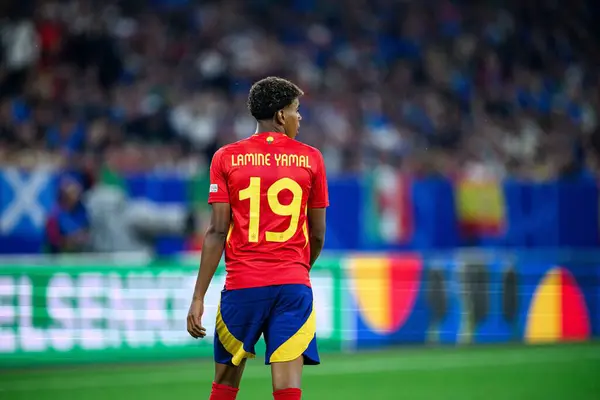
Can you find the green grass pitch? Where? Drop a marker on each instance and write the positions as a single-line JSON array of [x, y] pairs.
[[570, 372]]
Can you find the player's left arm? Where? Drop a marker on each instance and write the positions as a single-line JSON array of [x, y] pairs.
[[213, 245], [318, 201]]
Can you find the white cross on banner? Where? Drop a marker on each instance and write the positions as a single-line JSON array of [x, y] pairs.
[[25, 203]]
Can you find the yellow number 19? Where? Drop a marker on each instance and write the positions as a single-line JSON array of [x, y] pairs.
[[252, 193]]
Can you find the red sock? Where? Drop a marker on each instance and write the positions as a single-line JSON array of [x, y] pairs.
[[288, 394], [223, 392]]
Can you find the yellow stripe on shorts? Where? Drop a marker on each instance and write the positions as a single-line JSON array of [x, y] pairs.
[[229, 342], [295, 346]]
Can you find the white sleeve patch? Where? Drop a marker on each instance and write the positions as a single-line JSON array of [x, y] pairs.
[[214, 188]]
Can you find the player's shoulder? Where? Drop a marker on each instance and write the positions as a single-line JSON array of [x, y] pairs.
[[308, 149], [231, 148]]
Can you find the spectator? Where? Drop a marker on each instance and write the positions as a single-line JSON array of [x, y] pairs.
[[66, 136], [67, 228], [20, 49]]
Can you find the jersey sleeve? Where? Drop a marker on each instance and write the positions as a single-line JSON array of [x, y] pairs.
[[218, 191], [319, 195]]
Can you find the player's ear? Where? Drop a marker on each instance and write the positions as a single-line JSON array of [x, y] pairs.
[[280, 117]]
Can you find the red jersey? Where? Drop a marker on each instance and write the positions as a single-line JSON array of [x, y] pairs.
[[270, 181]]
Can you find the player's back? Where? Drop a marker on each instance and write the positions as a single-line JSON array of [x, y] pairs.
[[271, 181]]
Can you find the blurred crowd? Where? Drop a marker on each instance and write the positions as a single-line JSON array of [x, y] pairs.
[[483, 88]]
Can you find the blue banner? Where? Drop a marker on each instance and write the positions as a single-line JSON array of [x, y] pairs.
[[25, 201], [481, 297]]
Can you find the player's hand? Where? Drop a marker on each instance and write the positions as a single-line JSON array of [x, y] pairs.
[[194, 319]]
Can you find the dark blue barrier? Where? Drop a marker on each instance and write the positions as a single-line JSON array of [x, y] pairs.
[[557, 214], [578, 214], [560, 214], [435, 221], [344, 217]]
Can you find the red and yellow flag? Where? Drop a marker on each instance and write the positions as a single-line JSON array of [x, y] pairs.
[[480, 207]]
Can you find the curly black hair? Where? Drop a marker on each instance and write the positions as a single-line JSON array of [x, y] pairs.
[[270, 95]]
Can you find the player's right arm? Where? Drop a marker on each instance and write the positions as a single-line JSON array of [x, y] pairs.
[[213, 245], [318, 201]]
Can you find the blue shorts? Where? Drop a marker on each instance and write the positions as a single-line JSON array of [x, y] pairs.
[[283, 314]]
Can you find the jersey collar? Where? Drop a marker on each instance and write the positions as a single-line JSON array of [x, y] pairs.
[[269, 134]]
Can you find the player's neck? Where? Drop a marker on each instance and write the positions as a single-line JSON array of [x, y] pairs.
[[268, 127]]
